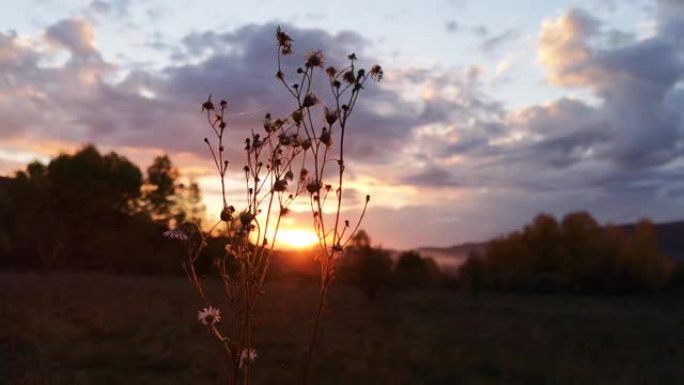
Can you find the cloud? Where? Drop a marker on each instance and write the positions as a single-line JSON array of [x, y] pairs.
[[636, 83], [436, 142], [628, 144], [454, 26], [495, 42], [76, 35], [120, 8]]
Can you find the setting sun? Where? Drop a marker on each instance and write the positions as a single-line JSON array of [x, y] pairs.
[[296, 239]]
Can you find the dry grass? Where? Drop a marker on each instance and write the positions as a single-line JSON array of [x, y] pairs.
[[103, 329]]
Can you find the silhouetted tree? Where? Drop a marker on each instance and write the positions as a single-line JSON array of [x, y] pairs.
[[367, 267], [414, 271], [577, 256], [646, 268], [472, 275], [160, 190]]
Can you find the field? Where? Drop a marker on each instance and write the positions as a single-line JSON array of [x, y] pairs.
[[105, 329]]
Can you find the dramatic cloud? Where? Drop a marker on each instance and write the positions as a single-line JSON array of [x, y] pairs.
[[159, 109], [637, 83], [610, 155], [436, 149]]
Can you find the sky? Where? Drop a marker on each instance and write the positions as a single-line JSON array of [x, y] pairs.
[[489, 112]]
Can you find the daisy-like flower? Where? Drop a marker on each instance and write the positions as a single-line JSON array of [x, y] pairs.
[[176, 234], [247, 356], [209, 315]]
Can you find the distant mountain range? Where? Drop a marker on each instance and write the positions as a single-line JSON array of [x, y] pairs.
[[670, 239]]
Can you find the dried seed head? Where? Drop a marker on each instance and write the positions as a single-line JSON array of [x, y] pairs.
[[310, 100], [313, 187], [246, 218], [280, 185], [314, 59], [256, 141], [284, 41], [305, 143], [208, 105], [268, 124], [325, 137], [330, 116], [349, 77], [227, 213], [297, 117], [331, 71], [284, 140], [376, 72]]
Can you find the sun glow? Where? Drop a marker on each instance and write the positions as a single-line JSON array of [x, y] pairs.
[[296, 239]]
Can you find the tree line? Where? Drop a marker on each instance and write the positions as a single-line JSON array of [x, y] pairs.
[[372, 269], [97, 211], [574, 255]]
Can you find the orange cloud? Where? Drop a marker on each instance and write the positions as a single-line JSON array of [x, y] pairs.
[[563, 48]]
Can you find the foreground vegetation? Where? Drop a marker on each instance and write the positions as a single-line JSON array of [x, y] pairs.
[[106, 329]]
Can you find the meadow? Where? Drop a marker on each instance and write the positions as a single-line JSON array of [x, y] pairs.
[[92, 328]]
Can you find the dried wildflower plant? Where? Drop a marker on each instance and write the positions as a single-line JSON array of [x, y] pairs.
[[299, 155]]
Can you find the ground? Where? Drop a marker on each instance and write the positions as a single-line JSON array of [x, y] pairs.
[[105, 329]]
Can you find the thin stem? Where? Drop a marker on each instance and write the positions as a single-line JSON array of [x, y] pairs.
[[314, 334]]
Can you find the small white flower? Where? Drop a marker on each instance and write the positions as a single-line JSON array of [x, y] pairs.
[[244, 356], [176, 234], [209, 315]]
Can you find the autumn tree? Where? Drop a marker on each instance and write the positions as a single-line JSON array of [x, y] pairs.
[[578, 255]]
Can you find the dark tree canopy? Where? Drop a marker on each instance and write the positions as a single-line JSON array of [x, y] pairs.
[[81, 210], [576, 255], [367, 267]]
